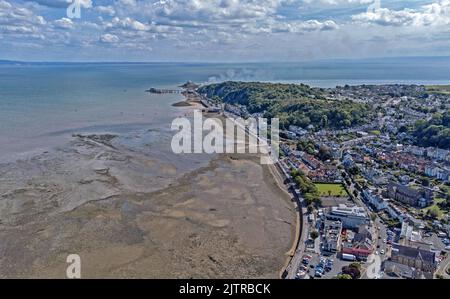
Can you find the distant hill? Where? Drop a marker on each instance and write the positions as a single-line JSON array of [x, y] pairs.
[[11, 62]]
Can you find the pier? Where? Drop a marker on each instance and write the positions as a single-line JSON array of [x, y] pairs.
[[163, 91]]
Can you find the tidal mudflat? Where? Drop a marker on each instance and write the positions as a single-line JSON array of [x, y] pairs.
[[140, 212]]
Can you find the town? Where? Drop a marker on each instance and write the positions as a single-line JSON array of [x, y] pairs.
[[373, 195]]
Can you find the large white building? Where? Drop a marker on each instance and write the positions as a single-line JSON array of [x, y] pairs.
[[351, 216]]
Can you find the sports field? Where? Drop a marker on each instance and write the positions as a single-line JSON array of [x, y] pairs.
[[336, 190]]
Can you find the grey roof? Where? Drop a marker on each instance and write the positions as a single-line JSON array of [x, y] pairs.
[[413, 252], [399, 270]]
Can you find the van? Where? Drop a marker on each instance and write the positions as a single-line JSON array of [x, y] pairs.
[[348, 257]]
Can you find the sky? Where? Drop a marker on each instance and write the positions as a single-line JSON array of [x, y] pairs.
[[222, 30]]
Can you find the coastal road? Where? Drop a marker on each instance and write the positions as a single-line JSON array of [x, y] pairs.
[[297, 258]]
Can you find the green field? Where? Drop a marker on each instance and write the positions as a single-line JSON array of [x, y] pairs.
[[336, 190], [440, 213], [442, 89]]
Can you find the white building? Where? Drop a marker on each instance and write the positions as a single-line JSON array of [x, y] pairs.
[[380, 203], [350, 216]]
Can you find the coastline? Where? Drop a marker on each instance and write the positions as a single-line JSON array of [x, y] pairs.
[[93, 197], [275, 178]]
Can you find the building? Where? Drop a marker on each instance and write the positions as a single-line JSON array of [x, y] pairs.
[[416, 257], [437, 172], [360, 245], [437, 153], [394, 269], [407, 195], [350, 216], [297, 130], [332, 235], [395, 213], [377, 201]]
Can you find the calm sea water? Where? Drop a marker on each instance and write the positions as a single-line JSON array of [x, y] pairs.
[[41, 105]]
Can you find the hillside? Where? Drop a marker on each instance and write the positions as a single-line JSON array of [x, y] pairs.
[[293, 104]]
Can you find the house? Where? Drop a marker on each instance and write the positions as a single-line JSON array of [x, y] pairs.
[[395, 269], [437, 153], [297, 130], [416, 257], [416, 150], [394, 213], [361, 245], [332, 235], [376, 200]]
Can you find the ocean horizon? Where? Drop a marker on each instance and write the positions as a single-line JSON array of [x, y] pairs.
[[42, 104]]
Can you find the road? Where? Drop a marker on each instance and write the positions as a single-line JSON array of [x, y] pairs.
[[297, 258]]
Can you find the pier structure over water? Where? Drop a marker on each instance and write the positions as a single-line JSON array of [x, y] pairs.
[[162, 91]]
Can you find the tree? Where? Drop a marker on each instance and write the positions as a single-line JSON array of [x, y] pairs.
[[325, 153], [433, 212], [343, 276], [352, 270], [373, 216], [425, 182], [314, 234], [355, 265], [310, 208]]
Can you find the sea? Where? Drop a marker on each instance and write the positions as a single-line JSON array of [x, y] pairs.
[[43, 104]]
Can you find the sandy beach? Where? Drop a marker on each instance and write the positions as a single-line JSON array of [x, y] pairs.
[[129, 214]]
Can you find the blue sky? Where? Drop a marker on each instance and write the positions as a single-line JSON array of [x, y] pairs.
[[222, 30]]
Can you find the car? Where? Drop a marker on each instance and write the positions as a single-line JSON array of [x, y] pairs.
[[319, 272], [302, 268], [306, 259], [382, 251], [300, 274], [384, 240], [376, 252]]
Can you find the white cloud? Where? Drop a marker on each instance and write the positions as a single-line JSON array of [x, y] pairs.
[[107, 10], [19, 20], [61, 3], [64, 23], [434, 14], [109, 38]]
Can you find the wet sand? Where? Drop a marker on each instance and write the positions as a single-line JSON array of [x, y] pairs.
[[133, 215]]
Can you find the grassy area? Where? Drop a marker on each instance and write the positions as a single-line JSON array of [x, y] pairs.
[[442, 89], [331, 190], [435, 207]]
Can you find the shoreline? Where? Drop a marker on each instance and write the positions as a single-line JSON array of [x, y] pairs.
[[274, 173], [93, 198]]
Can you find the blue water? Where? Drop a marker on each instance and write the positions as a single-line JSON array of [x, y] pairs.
[[42, 104]]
